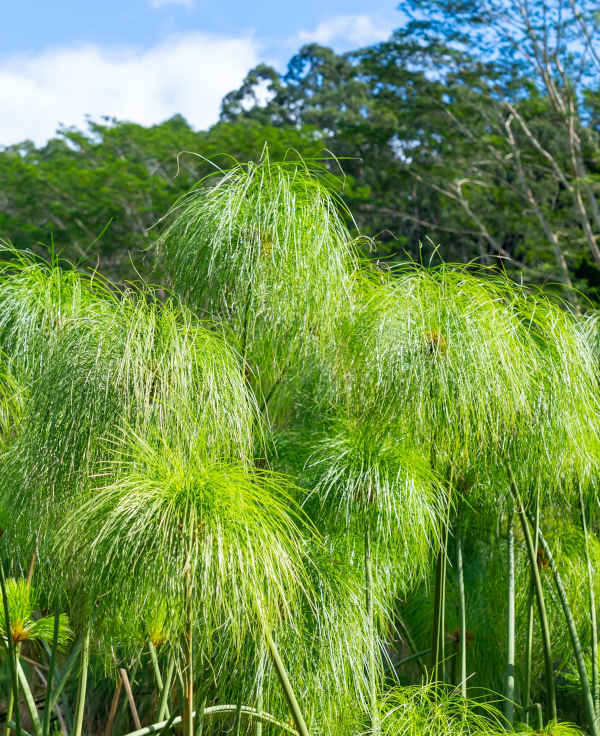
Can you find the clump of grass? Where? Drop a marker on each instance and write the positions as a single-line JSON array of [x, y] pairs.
[[37, 298], [436, 709], [138, 364]]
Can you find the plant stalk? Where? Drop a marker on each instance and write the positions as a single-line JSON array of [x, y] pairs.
[[83, 675], [462, 612], [438, 647], [12, 660], [260, 689], [11, 694], [66, 672], [200, 717], [371, 643], [29, 701], [530, 621], [593, 618], [286, 686], [528, 657], [157, 674], [577, 650], [188, 712], [509, 677], [163, 708], [47, 706], [539, 593]]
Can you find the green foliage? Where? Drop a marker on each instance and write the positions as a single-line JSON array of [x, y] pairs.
[[97, 194], [184, 518], [359, 473], [434, 709], [23, 625], [266, 251], [276, 454]]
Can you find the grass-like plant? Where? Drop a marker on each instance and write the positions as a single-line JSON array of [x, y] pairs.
[[390, 507], [23, 625], [266, 251], [141, 391], [37, 298], [214, 541], [406, 405], [437, 709]]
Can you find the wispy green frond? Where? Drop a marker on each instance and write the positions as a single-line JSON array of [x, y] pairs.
[[168, 520], [436, 709], [141, 364], [359, 471], [266, 250], [37, 298]]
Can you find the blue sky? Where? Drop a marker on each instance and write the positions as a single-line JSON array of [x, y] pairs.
[[145, 60]]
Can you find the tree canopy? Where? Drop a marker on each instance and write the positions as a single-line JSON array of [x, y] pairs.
[[471, 134]]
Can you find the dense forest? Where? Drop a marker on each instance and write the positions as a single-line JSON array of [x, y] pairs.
[[472, 134]]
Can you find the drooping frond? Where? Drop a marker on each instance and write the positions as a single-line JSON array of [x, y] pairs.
[[435, 709], [138, 364], [360, 472], [172, 522], [37, 298], [266, 250]]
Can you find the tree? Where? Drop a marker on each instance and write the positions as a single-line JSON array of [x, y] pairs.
[[455, 129]]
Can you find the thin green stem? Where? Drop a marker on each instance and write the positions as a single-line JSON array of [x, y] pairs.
[[462, 612], [286, 685], [167, 725], [371, 643], [11, 695], [200, 718], [62, 681], [509, 677], [155, 666], [51, 668], [260, 684], [163, 707], [29, 701], [237, 728], [157, 674], [577, 650], [593, 617], [530, 622], [83, 675], [539, 593], [537, 707], [188, 713], [439, 614]]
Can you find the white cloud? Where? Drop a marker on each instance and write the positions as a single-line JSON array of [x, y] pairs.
[[187, 74], [351, 30], [161, 3]]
